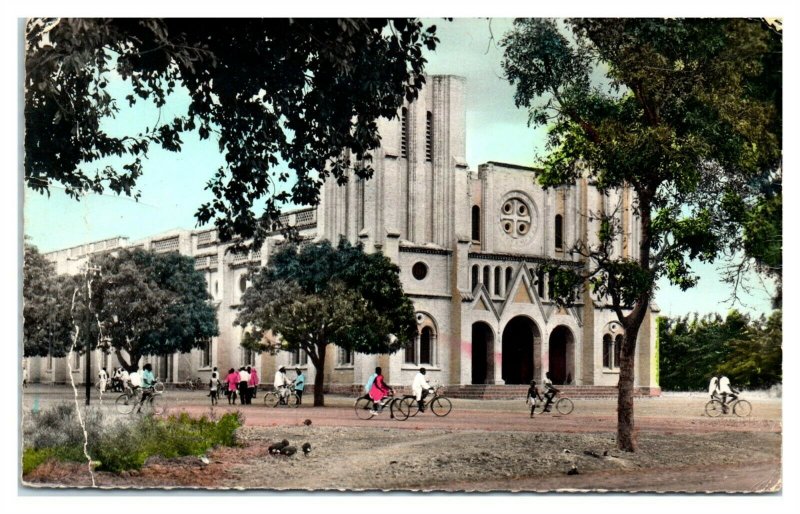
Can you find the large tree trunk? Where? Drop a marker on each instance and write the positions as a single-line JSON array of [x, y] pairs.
[[625, 426], [319, 376], [130, 366]]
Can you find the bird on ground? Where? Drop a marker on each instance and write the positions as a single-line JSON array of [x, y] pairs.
[[573, 470], [306, 449], [288, 451], [276, 448], [307, 422]]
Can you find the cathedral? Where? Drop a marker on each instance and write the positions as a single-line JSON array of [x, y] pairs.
[[469, 244]]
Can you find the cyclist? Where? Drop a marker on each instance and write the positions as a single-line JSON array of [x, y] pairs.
[[729, 393], [550, 392], [713, 388], [378, 392], [420, 387], [148, 381], [282, 384]]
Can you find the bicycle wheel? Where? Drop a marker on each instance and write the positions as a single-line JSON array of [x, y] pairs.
[[158, 387], [564, 406], [410, 404], [536, 408], [399, 409], [293, 401], [271, 399], [157, 405], [124, 403], [441, 406], [714, 408], [363, 407], [742, 408]]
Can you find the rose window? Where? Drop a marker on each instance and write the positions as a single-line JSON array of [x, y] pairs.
[[515, 217]]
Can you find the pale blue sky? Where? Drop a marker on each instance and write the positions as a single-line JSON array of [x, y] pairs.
[[172, 184]]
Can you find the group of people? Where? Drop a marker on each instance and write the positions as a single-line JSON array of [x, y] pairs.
[[550, 392], [720, 388], [378, 391], [244, 382]]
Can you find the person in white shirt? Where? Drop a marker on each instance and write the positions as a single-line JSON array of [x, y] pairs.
[[729, 394], [420, 387], [244, 387], [549, 391], [713, 388], [282, 383], [103, 378]]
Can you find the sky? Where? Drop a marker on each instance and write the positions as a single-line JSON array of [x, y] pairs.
[[172, 185]]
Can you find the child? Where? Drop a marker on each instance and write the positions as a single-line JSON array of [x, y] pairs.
[[533, 395], [213, 386]]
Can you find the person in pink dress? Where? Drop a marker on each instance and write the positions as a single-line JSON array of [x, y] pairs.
[[254, 381], [233, 382], [378, 392]]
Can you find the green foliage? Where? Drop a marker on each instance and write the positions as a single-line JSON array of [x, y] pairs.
[[151, 304], [307, 92], [46, 301], [122, 445], [694, 349]]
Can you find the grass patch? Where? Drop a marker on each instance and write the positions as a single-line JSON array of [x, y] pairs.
[[126, 444]]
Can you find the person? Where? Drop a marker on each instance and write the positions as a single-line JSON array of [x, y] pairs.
[[368, 384], [299, 385], [713, 388], [103, 378], [281, 384], [213, 386], [148, 381], [253, 383], [533, 395], [116, 380], [24, 377], [727, 391], [244, 386], [420, 388], [378, 392], [231, 381], [550, 392], [125, 379]]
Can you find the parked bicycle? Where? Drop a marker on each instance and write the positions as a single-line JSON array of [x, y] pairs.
[[741, 408], [137, 400], [192, 383], [563, 405], [273, 399], [365, 408], [439, 404]]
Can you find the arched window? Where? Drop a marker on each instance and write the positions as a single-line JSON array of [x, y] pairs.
[[559, 235], [476, 223], [404, 132], [411, 353], [551, 279], [475, 273], [486, 276], [428, 136], [497, 280], [509, 274], [617, 348], [540, 283], [425, 346], [608, 351]]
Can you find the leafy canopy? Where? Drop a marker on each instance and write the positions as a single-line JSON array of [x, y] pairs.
[[307, 92]]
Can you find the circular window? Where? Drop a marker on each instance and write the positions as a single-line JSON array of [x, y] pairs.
[[419, 270], [420, 318], [515, 217]]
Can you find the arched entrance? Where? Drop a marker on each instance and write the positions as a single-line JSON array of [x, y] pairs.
[[482, 353], [562, 356], [519, 337]]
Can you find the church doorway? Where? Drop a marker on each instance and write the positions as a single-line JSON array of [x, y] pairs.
[[519, 337], [482, 353], [562, 355]]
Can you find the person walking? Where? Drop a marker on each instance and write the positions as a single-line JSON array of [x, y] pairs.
[[244, 387], [533, 395], [232, 381], [299, 385], [103, 379], [420, 388], [213, 386], [253, 383]]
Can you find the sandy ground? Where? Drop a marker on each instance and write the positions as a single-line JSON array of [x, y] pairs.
[[480, 446]]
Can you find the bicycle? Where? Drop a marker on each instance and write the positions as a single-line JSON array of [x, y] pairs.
[[563, 405], [715, 408], [193, 383], [130, 400], [365, 407], [439, 404], [274, 399]]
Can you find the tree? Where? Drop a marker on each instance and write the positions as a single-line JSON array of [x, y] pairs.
[[755, 360], [318, 294], [677, 110], [307, 92], [46, 301], [146, 303]]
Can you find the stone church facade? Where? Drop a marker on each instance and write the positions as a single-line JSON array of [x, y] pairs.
[[469, 244]]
